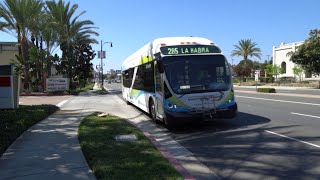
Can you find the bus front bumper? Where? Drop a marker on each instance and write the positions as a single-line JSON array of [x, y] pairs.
[[228, 112]]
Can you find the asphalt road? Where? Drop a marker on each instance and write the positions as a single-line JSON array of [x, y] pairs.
[[273, 137]]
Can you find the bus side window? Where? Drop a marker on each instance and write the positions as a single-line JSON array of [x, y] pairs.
[[126, 79]]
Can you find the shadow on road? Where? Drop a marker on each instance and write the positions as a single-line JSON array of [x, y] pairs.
[[242, 120]]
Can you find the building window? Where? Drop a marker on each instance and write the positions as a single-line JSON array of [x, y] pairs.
[[284, 67]]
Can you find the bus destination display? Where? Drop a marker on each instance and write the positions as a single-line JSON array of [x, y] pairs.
[[189, 49]]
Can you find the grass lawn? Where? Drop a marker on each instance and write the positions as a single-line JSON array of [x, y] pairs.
[[14, 122], [84, 89], [101, 92], [110, 159]]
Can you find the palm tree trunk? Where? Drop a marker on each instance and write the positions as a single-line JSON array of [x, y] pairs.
[[19, 41], [24, 47], [48, 60], [245, 59]]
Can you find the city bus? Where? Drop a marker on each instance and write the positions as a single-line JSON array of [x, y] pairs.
[[178, 79]]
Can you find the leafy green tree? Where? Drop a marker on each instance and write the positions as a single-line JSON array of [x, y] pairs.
[[243, 70], [35, 63], [84, 67], [308, 54], [273, 70], [298, 71], [18, 66], [263, 66], [246, 48], [256, 65], [44, 33]]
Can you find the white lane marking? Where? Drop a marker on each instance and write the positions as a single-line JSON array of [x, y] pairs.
[[294, 102], [305, 115], [61, 103], [304, 142]]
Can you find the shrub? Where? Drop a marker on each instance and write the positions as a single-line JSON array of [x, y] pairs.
[[74, 92], [56, 93], [248, 79], [266, 90], [287, 79], [266, 79], [236, 80]]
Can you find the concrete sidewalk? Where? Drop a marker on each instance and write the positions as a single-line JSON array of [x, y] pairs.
[[48, 150]]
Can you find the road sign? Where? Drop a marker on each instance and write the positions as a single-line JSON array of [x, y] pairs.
[[103, 54]]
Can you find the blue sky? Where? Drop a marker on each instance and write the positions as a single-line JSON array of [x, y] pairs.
[[130, 24]]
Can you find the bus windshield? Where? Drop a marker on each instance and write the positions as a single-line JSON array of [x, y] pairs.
[[197, 73]]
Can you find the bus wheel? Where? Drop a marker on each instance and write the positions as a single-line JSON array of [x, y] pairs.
[[152, 110]]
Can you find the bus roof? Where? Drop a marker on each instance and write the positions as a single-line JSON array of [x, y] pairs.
[[146, 53], [170, 41]]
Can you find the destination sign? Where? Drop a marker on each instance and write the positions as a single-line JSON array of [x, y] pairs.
[[189, 49]]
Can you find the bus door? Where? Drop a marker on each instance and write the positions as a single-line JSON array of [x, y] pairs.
[[159, 92]]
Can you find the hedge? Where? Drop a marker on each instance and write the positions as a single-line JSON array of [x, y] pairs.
[[266, 90]]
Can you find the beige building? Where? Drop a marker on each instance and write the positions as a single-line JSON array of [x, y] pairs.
[[8, 50], [281, 59]]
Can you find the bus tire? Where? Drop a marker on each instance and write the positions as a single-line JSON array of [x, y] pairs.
[[152, 112]]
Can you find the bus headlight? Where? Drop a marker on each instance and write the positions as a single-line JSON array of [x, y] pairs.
[[170, 105]]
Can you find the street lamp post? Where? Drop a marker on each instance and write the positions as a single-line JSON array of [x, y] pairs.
[[98, 71], [103, 55]]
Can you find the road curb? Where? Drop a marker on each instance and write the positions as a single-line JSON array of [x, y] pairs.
[[173, 161]]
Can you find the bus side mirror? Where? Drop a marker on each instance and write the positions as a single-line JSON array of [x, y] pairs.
[[160, 66]]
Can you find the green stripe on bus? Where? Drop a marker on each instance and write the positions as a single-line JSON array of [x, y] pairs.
[[228, 97], [134, 93], [177, 102], [145, 59]]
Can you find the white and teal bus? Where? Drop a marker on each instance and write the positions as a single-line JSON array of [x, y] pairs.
[[178, 79]]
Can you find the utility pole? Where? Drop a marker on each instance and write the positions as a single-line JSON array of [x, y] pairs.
[[103, 55], [98, 71]]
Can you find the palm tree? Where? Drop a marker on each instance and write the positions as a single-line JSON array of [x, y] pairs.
[[17, 15], [71, 31], [45, 33], [246, 48]]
